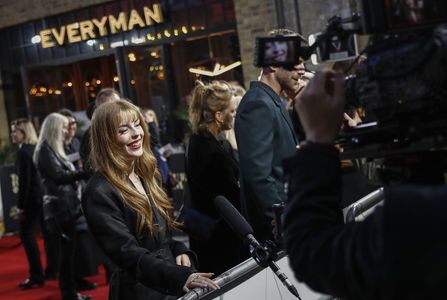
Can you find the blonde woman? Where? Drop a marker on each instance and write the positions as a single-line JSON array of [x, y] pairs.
[[62, 207], [212, 170], [129, 213], [29, 202]]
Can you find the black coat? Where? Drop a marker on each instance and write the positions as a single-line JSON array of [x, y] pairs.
[[57, 177], [212, 171], [398, 252], [30, 191], [146, 262]]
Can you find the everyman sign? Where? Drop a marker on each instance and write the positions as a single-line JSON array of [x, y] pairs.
[[90, 29]]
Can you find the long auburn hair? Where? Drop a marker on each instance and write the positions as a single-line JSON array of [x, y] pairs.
[[107, 157]]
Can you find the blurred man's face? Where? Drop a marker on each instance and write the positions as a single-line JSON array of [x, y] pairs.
[[72, 126], [288, 78]]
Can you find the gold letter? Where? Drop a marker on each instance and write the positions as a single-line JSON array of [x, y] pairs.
[[59, 36], [135, 19], [101, 25], [73, 33], [115, 24], [155, 15], [45, 38], [86, 29]]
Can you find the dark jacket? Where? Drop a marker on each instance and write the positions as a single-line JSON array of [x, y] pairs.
[[57, 177], [147, 262], [265, 137], [59, 180], [212, 171], [30, 191], [399, 252]]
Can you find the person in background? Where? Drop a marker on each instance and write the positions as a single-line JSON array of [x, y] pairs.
[[86, 254], [265, 137], [151, 120], [129, 213], [62, 207], [104, 95], [72, 144], [230, 135], [212, 171], [29, 202]]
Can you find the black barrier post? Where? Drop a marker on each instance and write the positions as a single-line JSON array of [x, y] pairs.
[[9, 185]]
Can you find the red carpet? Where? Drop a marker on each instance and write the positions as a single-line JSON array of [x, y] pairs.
[[14, 269]]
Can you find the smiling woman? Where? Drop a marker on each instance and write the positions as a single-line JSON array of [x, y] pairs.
[[130, 214]]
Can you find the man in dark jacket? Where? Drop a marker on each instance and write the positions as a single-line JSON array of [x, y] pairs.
[[265, 137], [399, 252]]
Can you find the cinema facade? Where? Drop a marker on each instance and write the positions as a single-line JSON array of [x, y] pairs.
[[152, 52]]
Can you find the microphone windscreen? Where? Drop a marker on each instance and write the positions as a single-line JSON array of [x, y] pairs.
[[233, 218]]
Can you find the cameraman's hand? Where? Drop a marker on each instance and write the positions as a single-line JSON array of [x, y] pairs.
[[320, 106]]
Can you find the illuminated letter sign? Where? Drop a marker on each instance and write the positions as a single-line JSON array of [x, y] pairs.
[[91, 29]]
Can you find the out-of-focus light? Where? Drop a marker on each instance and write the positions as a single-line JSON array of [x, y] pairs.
[[115, 78], [184, 29], [176, 32], [131, 56], [101, 47], [167, 33], [90, 42], [160, 68], [138, 40], [87, 83], [70, 84], [57, 92], [98, 82], [132, 82], [36, 39], [158, 35], [119, 44], [193, 28]]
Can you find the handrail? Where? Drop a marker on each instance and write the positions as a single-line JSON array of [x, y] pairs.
[[228, 280], [361, 206]]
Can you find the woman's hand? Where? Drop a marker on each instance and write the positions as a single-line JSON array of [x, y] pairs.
[[201, 280], [183, 260]]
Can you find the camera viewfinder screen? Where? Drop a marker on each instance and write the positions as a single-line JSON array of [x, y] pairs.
[[403, 14], [279, 52]]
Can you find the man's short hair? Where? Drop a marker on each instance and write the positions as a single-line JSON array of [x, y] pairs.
[[286, 32], [66, 112], [106, 92]]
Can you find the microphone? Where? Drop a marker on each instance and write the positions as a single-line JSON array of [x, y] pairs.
[[262, 255]]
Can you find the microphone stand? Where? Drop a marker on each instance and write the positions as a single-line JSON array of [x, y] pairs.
[[265, 255]]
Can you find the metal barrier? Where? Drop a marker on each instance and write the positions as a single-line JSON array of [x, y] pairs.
[[363, 207], [250, 281]]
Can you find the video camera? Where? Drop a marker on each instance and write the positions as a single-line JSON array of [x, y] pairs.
[[402, 84]]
